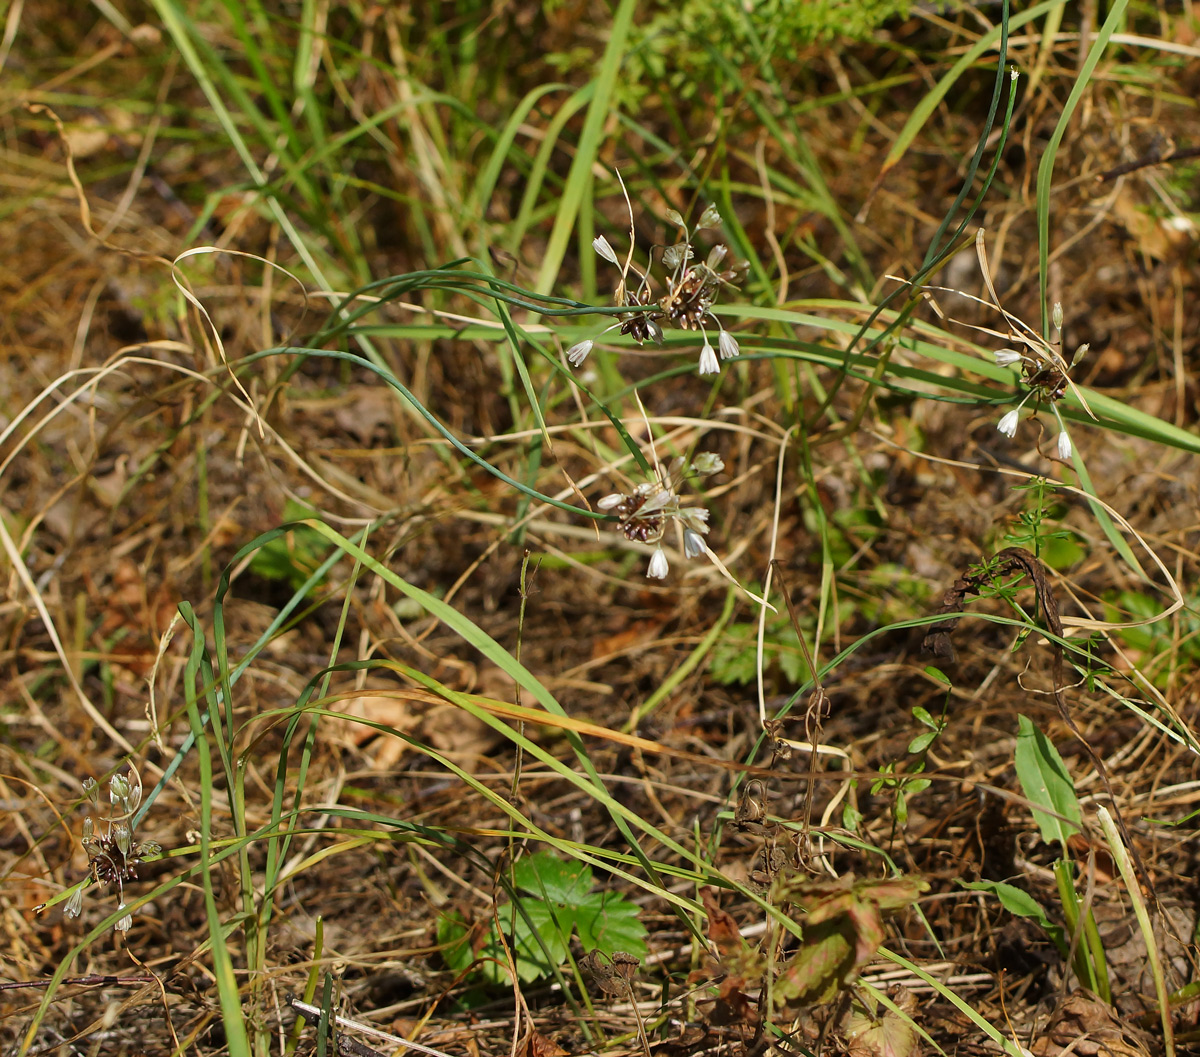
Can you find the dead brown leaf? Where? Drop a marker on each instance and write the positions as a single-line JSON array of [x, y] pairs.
[[886, 1034], [1085, 1026], [612, 975], [535, 1044], [722, 929]]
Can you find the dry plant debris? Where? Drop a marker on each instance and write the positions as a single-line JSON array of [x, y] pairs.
[[305, 413]]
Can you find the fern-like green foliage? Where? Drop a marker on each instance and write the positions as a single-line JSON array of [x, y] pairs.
[[750, 32], [676, 42], [735, 658]]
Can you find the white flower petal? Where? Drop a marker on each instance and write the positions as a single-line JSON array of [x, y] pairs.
[[74, 904], [674, 256], [656, 502], [610, 501], [1064, 445], [601, 245], [708, 462], [576, 354], [693, 543], [125, 923], [709, 364], [1008, 424], [658, 565], [1007, 357], [729, 345]]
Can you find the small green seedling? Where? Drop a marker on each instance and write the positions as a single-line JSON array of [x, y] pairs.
[[735, 658], [554, 901], [1168, 649], [1048, 787], [906, 783], [293, 557]]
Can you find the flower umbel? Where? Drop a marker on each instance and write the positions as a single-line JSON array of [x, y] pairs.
[[646, 512], [1045, 373], [691, 291], [113, 854]]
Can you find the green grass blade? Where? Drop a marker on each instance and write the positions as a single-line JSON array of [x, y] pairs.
[[1046, 165], [923, 111], [587, 149]]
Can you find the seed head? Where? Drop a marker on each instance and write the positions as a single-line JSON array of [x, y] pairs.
[[113, 854]]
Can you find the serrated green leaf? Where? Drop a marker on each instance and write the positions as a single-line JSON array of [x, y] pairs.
[[792, 664], [548, 877], [452, 933], [733, 662], [556, 901], [540, 943], [611, 925], [1046, 784]]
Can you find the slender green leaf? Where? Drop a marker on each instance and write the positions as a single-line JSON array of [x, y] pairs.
[[1046, 166]]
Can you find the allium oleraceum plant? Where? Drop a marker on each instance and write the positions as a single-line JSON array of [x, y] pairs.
[[1044, 372], [646, 512], [691, 291], [1046, 375], [113, 854]]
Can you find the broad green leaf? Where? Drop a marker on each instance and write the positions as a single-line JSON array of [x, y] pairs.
[[1046, 784], [547, 876], [452, 933], [611, 925]]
